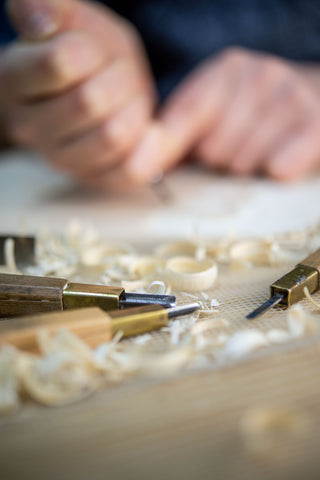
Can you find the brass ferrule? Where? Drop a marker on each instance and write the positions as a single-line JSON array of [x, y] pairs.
[[76, 295], [138, 320], [293, 283]]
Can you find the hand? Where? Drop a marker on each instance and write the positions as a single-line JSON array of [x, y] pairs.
[[76, 86], [241, 112]]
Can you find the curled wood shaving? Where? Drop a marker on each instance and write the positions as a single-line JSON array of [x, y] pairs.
[[172, 249], [244, 342], [311, 300], [68, 369], [168, 363], [249, 253], [278, 336], [186, 273], [9, 385], [57, 379], [301, 322], [9, 257], [158, 287]]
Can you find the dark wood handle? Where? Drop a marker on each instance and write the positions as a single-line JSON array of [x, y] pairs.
[[312, 260], [23, 294]]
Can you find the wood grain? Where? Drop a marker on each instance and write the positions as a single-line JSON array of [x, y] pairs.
[[23, 294], [180, 428]]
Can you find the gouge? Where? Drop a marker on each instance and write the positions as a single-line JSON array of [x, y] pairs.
[[23, 294], [90, 324], [289, 288]]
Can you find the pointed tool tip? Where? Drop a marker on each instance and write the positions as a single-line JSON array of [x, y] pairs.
[[266, 306], [183, 309]]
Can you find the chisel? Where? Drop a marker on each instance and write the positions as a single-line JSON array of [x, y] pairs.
[[289, 288], [90, 324], [24, 294]]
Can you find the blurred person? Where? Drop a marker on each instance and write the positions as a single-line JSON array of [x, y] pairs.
[[119, 92]]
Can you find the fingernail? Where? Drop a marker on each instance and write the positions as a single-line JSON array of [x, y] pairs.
[[33, 18], [40, 24]]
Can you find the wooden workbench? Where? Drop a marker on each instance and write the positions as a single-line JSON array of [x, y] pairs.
[[187, 426]]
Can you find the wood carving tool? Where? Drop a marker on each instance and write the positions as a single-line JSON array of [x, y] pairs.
[[23, 294], [289, 288], [24, 249], [90, 324]]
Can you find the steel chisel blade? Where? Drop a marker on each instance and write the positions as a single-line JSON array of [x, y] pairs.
[[266, 306]]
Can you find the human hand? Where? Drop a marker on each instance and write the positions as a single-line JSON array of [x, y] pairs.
[[241, 112], [76, 86]]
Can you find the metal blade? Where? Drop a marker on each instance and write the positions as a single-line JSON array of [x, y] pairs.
[[183, 310], [135, 299], [266, 306]]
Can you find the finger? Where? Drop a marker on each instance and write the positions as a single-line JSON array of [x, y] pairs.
[[81, 109], [95, 152], [183, 120], [40, 19], [256, 92], [36, 19], [29, 71], [269, 130], [221, 143], [298, 155]]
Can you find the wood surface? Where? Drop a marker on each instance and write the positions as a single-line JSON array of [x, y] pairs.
[[23, 294], [178, 428]]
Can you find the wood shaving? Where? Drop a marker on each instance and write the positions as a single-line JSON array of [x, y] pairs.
[[244, 342], [9, 257], [186, 273], [9, 385], [172, 249], [158, 287], [278, 336], [311, 300], [67, 369], [301, 322], [267, 430], [250, 253]]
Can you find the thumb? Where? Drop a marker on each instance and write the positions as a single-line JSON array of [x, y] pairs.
[[37, 19]]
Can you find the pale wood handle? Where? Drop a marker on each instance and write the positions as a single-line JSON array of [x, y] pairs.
[[312, 260], [90, 324]]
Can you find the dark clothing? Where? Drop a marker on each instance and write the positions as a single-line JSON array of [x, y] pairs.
[[178, 34], [6, 31]]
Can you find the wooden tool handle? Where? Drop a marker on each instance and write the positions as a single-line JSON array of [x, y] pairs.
[[90, 324], [23, 294], [312, 260]]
